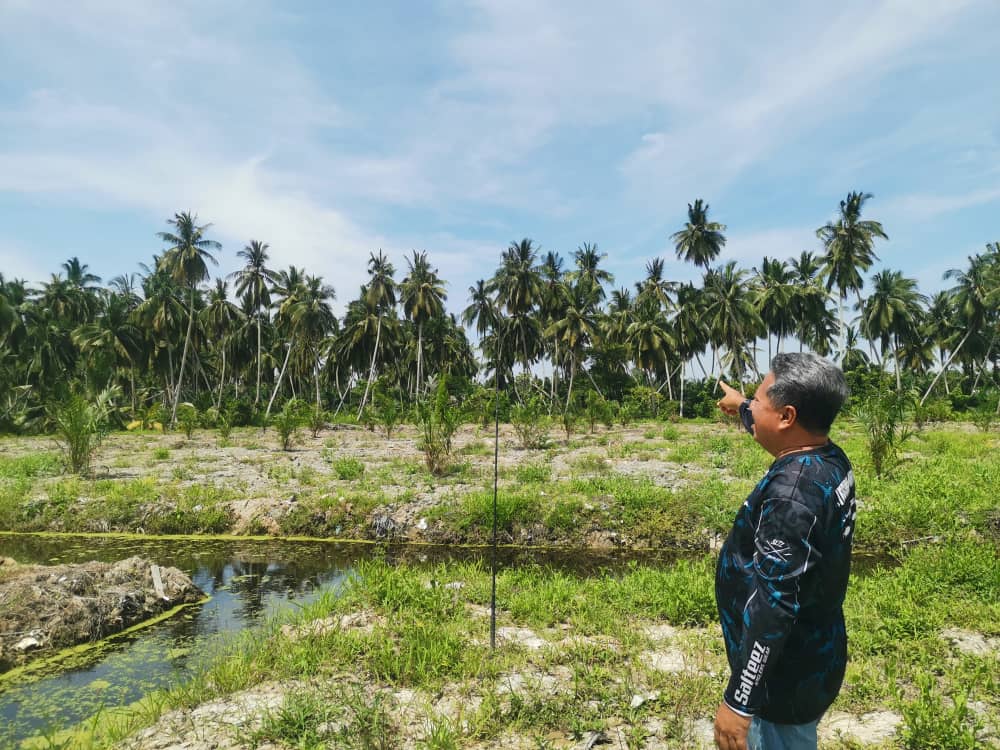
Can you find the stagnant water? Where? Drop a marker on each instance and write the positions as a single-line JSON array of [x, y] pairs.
[[247, 581]]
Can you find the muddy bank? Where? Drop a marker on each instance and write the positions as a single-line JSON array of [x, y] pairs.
[[46, 608]]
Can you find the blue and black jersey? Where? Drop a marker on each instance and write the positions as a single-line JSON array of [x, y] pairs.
[[780, 584]]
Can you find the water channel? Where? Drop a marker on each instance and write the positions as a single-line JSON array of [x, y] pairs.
[[247, 580]]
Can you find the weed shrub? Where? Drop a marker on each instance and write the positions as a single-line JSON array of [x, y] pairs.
[[533, 473], [569, 420], [531, 423], [438, 422], [187, 418], [318, 420], [475, 515], [883, 416], [598, 410], [932, 721], [80, 426], [30, 466], [288, 421], [348, 468], [387, 412]]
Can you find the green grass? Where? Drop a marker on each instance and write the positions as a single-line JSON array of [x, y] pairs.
[[30, 466], [424, 637], [348, 469], [944, 484]]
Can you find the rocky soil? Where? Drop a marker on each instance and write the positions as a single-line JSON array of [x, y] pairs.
[[233, 721]]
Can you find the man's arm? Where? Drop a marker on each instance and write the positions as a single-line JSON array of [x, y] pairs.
[[784, 553]]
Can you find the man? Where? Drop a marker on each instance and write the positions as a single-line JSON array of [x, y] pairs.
[[782, 573]]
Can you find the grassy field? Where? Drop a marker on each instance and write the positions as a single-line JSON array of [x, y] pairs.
[[401, 657], [647, 486]]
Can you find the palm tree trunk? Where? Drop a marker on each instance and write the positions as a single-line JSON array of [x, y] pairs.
[[256, 399], [131, 380], [682, 389], [895, 360], [180, 375], [572, 370], [222, 380], [840, 323], [982, 367], [316, 371], [945, 366], [555, 375], [701, 365], [591, 378], [170, 382], [277, 385], [420, 352], [670, 387], [371, 371]]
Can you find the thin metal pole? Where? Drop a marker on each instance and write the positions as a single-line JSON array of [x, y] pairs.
[[496, 474]]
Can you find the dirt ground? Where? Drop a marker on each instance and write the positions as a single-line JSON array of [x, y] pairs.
[[394, 495], [46, 608]]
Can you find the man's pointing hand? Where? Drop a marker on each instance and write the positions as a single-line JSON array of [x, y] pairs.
[[731, 399]]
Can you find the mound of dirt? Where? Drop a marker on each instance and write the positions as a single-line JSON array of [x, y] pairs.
[[45, 608]]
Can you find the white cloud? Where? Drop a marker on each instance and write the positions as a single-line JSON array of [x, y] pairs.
[[795, 80], [18, 263], [159, 107], [927, 206], [749, 248]]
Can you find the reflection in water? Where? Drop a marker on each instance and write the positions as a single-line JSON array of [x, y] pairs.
[[247, 580]]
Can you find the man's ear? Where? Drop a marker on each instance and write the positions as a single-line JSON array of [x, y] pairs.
[[789, 416]]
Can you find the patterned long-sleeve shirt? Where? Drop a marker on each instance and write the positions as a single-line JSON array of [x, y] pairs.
[[780, 584]]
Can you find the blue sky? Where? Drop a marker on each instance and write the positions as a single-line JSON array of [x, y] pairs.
[[333, 129]]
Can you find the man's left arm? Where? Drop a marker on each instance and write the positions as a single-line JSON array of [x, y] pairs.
[[784, 553]]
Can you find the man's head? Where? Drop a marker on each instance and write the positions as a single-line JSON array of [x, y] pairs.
[[797, 401]]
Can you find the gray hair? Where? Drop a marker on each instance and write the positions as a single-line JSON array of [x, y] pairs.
[[814, 386]]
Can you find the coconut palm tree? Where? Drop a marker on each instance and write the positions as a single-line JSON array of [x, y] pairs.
[[423, 296], [732, 318], [976, 298], [160, 317], [853, 357], [551, 308], [518, 287], [312, 321], [114, 335], [252, 282], [482, 311], [186, 260], [380, 295], [655, 287], [701, 240], [941, 326], [649, 338], [222, 319], [689, 328], [577, 328], [776, 289], [849, 245], [588, 271], [892, 310]]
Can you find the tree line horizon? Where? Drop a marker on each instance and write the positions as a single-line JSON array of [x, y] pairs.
[[167, 335]]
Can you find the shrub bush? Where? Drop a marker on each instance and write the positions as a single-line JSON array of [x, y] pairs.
[[187, 418], [288, 421], [531, 423], [79, 428]]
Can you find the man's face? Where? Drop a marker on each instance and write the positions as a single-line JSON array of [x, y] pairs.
[[767, 421]]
